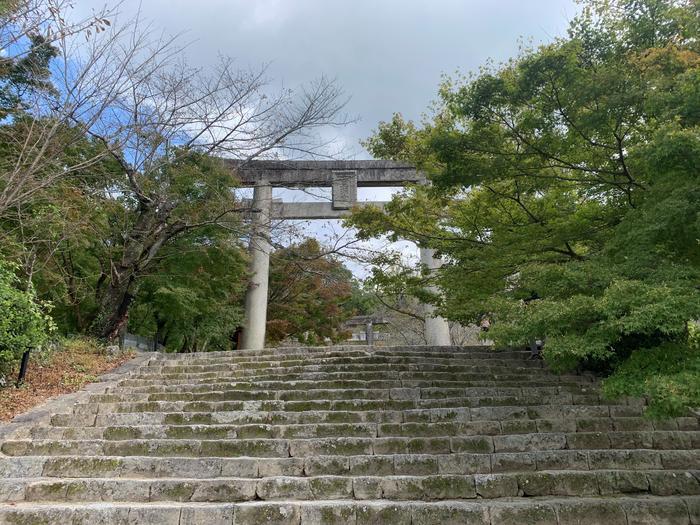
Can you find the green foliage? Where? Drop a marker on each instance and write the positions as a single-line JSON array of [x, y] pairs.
[[29, 71], [24, 324], [311, 294], [192, 300], [565, 191], [668, 376]]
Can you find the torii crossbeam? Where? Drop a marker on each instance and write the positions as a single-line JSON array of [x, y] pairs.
[[344, 177]]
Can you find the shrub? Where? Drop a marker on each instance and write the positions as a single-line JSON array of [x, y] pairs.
[[667, 375], [24, 323]]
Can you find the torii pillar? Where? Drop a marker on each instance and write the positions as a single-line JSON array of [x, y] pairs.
[[253, 336], [437, 331]]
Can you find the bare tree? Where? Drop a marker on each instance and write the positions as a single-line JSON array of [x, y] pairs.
[[38, 110], [142, 107]]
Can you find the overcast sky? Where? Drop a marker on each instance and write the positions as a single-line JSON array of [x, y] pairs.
[[388, 55]]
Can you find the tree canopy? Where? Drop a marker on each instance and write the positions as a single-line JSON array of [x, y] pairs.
[[565, 193]]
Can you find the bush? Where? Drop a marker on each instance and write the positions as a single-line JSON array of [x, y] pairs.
[[667, 375], [24, 324]]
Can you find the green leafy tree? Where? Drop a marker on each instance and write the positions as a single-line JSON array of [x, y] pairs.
[[311, 294], [192, 299], [565, 192], [24, 324]]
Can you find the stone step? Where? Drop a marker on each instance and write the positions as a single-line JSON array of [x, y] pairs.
[[453, 352], [425, 415], [627, 510], [296, 384], [651, 440], [85, 466], [337, 429], [496, 359], [514, 357], [395, 488], [306, 394], [349, 435], [358, 365], [354, 405], [267, 430], [486, 358], [395, 376]]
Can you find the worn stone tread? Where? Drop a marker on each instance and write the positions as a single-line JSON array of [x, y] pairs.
[[555, 511]]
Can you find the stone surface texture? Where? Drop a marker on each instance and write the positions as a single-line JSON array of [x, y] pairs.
[[347, 434]]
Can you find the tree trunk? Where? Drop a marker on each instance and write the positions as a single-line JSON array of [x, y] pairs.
[[114, 311], [147, 236]]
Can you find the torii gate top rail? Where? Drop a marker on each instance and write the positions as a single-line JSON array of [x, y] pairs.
[[321, 173]]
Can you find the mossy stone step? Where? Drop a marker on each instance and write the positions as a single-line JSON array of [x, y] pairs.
[[397, 488], [553, 511], [483, 381], [336, 429], [350, 366], [353, 405], [86, 466], [424, 415], [651, 440], [303, 394], [346, 434]]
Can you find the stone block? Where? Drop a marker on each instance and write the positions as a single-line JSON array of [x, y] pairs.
[[513, 462], [328, 513], [331, 487], [624, 459], [672, 483], [284, 488], [449, 487], [229, 490], [367, 487], [587, 440], [496, 485], [473, 444], [562, 460], [450, 513], [403, 488], [267, 514], [371, 465], [210, 516], [523, 513], [670, 511], [590, 513], [622, 482], [464, 463], [326, 465], [529, 442], [380, 513], [416, 465]]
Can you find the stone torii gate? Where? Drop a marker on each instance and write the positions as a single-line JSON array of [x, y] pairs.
[[343, 177]]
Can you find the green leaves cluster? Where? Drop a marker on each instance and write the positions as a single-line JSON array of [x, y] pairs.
[[24, 323], [565, 194], [311, 294], [667, 375]]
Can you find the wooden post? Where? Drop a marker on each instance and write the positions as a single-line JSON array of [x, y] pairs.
[[23, 368]]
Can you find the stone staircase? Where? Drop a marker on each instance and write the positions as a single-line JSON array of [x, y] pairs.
[[412, 435]]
